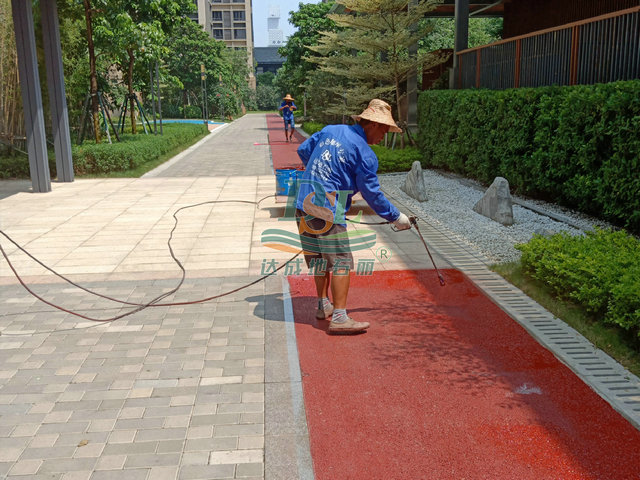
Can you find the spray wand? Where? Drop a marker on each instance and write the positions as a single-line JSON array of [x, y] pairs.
[[414, 222]]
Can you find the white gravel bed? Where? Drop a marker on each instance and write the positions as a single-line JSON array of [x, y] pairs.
[[450, 207]]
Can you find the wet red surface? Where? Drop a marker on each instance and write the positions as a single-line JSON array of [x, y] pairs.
[[445, 385], [284, 154]]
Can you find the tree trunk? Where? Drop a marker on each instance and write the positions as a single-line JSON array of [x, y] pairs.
[[185, 100], [93, 77], [132, 110]]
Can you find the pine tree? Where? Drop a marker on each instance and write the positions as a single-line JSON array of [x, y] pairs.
[[370, 57]]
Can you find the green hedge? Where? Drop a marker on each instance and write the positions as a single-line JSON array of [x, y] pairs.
[[312, 127], [133, 151], [600, 271], [13, 167], [388, 160], [396, 160], [578, 146]]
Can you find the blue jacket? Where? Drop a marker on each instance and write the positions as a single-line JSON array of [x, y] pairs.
[[287, 113], [338, 159]]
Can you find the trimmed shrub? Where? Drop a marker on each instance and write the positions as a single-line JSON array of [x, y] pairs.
[[396, 160], [600, 271], [133, 151], [312, 127], [13, 167], [578, 146]]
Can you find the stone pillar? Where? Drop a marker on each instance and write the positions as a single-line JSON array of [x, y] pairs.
[[31, 96], [55, 83]]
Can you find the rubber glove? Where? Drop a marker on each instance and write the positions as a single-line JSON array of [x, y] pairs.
[[402, 223]]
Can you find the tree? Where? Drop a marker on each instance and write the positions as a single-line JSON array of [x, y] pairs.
[[481, 32], [188, 47], [371, 54], [310, 20], [131, 28], [267, 96], [11, 116], [93, 76]]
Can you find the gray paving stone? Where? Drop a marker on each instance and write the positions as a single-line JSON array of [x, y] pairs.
[[152, 460], [198, 472], [135, 448], [247, 470], [211, 444], [139, 423], [46, 453], [63, 465], [237, 430], [161, 434], [170, 446], [216, 419], [136, 474]]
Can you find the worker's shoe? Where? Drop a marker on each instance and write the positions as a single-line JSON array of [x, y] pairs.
[[325, 312], [347, 326]]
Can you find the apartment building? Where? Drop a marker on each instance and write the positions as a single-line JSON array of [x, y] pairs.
[[202, 14], [231, 22]]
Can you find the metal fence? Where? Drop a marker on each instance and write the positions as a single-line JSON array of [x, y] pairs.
[[598, 50]]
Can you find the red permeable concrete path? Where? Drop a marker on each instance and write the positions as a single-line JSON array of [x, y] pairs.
[[445, 385], [283, 153]]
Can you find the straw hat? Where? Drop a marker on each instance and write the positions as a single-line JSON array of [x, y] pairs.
[[378, 111], [288, 97]]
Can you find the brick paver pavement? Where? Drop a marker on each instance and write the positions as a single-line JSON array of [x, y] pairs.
[[210, 390]]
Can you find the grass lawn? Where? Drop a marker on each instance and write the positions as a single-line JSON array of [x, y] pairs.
[[622, 346]]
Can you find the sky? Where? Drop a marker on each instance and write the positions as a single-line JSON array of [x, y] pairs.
[[261, 11]]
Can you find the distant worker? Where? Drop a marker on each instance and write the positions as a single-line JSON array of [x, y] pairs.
[[338, 164], [287, 107]]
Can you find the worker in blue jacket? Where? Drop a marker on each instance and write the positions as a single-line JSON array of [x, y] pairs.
[[287, 107], [338, 164]]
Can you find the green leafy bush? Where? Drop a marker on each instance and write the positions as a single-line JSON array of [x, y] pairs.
[[192, 111], [396, 160], [312, 127], [600, 271], [578, 146], [171, 111], [133, 151], [14, 167]]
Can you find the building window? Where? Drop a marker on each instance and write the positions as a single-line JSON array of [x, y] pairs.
[[240, 33], [239, 25], [216, 16], [238, 16], [217, 33]]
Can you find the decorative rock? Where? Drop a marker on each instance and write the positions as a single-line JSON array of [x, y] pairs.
[[496, 202], [414, 183]]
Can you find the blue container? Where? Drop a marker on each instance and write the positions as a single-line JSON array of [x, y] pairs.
[[287, 181]]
